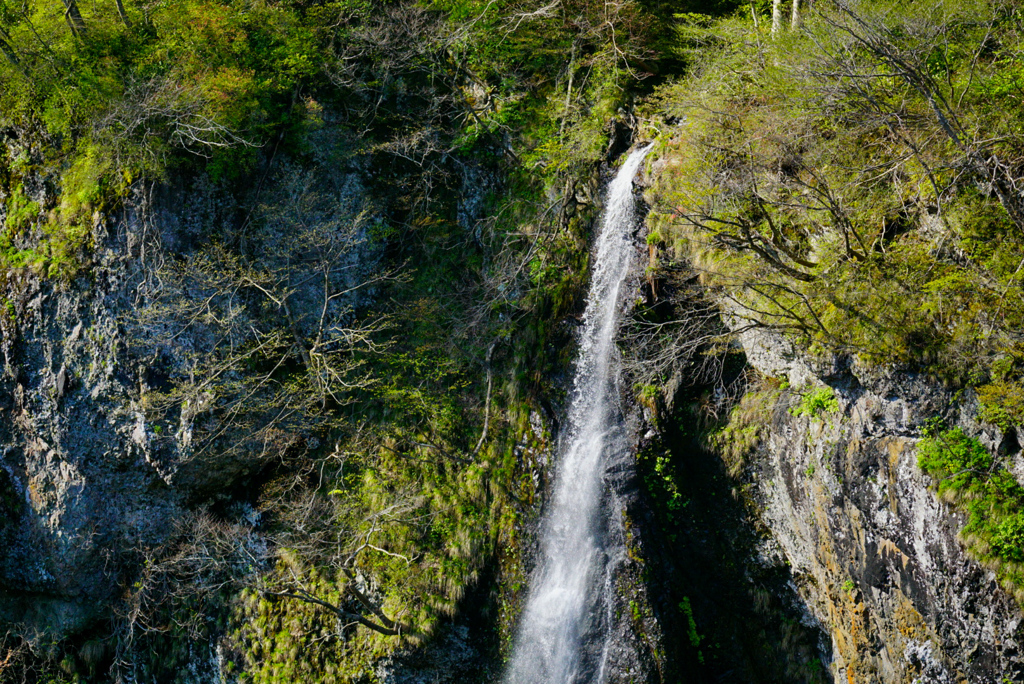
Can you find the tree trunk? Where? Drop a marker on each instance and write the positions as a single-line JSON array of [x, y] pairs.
[[74, 18], [124, 15], [5, 47], [9, 53], [794, 20], [776, 17]]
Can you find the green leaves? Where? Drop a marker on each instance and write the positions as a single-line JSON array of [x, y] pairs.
[[1008, 539], [990, 495], [957, 461], [813, 404]]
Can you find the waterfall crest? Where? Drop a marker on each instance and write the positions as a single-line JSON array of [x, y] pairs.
[[567, 610]]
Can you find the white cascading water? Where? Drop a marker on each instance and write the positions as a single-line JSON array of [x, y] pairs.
[[566, 619]]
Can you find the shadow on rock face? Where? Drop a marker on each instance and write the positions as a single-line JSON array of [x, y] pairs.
[[725, 597]]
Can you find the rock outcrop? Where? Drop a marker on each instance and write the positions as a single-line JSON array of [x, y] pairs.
[[84, 492], [90, 481], [874, 552]]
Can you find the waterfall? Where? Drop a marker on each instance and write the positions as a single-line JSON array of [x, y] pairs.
[[566, 622]]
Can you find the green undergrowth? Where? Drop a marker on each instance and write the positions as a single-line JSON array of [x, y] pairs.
[[193, 85], [417, 569], [968, 476], [835, 209], [820, 181], [814, 403]]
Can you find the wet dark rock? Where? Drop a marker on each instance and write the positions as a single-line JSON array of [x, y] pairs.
[[621, 137]]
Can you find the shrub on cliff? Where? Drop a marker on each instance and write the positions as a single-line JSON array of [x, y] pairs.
[[968, 475]]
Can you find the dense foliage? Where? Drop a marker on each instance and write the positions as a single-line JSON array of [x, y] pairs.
[[111, 97], [374, 345], [843, 182]]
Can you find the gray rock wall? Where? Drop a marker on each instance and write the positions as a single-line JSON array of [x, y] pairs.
[[84, 493], [874, 552], [89, 481]]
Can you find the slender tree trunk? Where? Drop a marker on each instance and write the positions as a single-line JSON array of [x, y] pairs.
[[753, 14], [74, 17], [776, 17], [10, 53], [794, 20], [124, 15]]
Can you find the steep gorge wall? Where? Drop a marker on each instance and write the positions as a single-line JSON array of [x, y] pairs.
[[89, 487], [872, 550], [90, 482]]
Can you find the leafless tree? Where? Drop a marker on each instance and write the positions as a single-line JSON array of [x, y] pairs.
[[182, 583], [159, 111], [234, 326], [796, 16], [690, 340], [747, 211], [15, 658], [406, 56]]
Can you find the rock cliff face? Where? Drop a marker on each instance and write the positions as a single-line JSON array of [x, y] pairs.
[[89, 481], [86, 489], [873, 552], [81, 491]]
